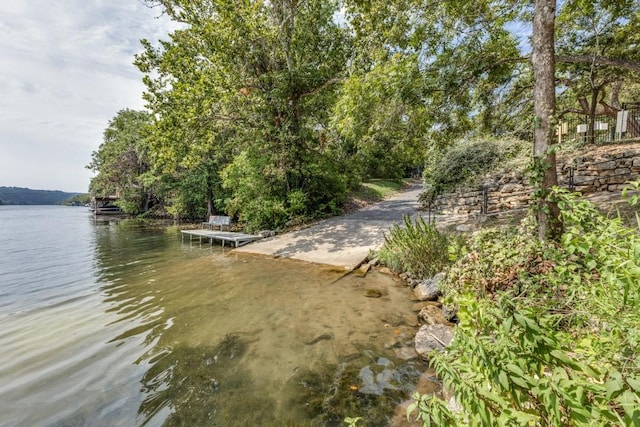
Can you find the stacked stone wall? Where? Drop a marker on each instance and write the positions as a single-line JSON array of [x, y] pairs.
[[601, 170]]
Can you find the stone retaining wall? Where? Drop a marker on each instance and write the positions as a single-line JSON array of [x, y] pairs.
[[602, 169]]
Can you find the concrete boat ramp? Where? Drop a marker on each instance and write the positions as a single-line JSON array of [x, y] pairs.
[[343, 241]]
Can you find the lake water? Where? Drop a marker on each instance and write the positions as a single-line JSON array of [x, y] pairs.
[[120, 323]]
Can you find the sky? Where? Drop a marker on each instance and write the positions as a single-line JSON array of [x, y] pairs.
[[66, 69]]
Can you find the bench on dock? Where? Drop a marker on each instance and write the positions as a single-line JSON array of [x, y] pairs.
[[217, 221]]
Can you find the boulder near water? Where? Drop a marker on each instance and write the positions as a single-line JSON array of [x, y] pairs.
[[429, 290], [432, 337]]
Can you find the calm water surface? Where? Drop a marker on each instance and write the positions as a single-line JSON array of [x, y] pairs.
[[121, 323]]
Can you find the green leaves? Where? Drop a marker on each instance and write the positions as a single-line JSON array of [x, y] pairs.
[[352, 422], [123, 161], [258, 78], [465, 163], [416, 247], [555, 344]]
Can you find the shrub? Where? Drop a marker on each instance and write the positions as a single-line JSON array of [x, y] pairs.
[[416, 247], [548, 335], [263, 195], [465, 162]]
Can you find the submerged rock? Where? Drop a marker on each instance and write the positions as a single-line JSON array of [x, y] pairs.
[[370, 386], [319, 338], [432, 315], [432, 337], [372, 293], [405, 353]]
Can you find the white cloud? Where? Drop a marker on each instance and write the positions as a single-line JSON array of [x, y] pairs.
[[66, 70]]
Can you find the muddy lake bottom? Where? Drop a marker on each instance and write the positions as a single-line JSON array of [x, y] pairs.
[[122, 323]]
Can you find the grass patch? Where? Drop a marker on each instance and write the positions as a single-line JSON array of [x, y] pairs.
[[377, 189]]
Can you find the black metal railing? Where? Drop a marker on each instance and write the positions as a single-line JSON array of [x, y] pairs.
[[574, 128]]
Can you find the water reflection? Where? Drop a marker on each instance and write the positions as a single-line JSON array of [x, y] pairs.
[[127, 252], [240, 340]]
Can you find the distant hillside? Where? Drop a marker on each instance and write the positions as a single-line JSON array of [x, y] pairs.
[[26, 196]]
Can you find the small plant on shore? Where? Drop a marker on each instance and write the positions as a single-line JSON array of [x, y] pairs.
[[548, 334], [633, 198], [415, 247], [352, 421]]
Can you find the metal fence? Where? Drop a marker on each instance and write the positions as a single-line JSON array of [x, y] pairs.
[[574, 129]]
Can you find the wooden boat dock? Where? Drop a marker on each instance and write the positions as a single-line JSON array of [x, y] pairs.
[[238, 239]]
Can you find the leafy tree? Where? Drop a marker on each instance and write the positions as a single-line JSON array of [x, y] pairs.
[[249, 84], [473, 77], [382, 119], [595, 21], [427, 73], [273, 110], [122, 161], [596, 45]]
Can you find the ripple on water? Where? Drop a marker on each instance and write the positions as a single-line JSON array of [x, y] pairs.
[[130, 326]]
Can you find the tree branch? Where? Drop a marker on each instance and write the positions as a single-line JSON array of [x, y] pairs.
[[579, 59], [600, 60], [325, 85]]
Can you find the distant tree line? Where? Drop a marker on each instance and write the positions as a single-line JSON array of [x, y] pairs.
[[271, 111], [26, 196]]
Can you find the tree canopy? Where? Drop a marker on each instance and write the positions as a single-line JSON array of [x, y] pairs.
[[272, 111], [122, 161]]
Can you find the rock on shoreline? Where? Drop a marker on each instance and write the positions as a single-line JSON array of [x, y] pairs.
[[432, 337]]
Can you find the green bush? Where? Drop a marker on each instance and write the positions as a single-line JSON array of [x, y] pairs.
[[548, 334], [416, 247], [265, 196], [467, 161], [325, 186]]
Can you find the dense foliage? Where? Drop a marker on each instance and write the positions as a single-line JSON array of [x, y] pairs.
[[275, 111], [548, 333], [242, 94], [122, 162], [467, 161], [83, 199], [597, 29]]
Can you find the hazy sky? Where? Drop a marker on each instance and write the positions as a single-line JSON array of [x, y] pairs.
[[65, 71]]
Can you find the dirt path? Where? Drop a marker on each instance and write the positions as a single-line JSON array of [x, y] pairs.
[[343, 241]]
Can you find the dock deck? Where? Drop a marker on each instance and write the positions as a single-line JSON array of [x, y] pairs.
[[238, 239]]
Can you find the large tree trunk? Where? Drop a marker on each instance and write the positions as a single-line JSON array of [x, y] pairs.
[[544, 99]]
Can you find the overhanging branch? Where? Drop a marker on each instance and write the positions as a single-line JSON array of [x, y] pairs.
[[600, 60], [322, 87], [580, 59]]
